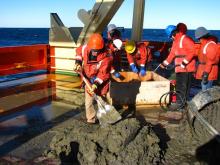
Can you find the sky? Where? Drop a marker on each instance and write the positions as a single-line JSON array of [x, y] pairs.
[[158, 13]]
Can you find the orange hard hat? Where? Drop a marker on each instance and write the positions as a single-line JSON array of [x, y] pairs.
[[96, 41]]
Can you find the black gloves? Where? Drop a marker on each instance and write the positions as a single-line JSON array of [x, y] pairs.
[[205, 77]]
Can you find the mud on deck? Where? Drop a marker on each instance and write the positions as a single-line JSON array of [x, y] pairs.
[[37, 112]]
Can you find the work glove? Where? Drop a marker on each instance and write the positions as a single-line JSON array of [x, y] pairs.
[[205, 76], [142, 71], [117, 74], [92, 90], [77, 67], [134, 68]]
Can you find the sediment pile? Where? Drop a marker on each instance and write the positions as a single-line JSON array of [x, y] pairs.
[[127, 142], [130, 142]]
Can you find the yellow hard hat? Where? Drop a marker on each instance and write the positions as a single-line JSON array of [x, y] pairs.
[[130, 47]]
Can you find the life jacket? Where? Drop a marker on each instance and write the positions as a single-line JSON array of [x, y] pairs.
[[96, 69], [208, 60], [182, 50]]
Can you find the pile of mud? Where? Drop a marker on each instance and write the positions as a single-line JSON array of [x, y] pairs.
[[127, 142], [68, 140]]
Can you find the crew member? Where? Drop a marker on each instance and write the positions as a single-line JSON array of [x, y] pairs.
[[95, 63], [182, 53], [137, 56], [208, 58], [114, 44]]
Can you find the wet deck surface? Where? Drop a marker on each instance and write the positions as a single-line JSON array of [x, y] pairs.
[[31, 107], [33, 103]]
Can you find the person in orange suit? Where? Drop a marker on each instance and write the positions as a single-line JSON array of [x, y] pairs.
[[208, 58], [138, 56], [182, 53], [95, 62]]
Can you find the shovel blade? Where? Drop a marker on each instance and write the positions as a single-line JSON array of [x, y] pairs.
[[107, 114]]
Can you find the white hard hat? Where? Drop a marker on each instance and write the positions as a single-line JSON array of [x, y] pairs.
[[111, 27], [117, 43]]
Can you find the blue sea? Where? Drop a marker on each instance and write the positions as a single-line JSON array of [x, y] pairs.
[[30, 36]]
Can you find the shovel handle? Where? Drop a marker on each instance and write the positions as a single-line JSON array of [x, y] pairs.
[[85, 81], [89, 86]]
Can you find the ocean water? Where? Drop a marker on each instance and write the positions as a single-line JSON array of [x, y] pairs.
[[23, 36], [30, 36]]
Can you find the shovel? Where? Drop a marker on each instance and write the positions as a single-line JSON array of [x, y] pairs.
[[106, 114]]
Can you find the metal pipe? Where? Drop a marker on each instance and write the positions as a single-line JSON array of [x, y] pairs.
[[138, 17], [156, 68]]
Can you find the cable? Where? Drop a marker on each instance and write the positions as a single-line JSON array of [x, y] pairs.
[[163, 98]]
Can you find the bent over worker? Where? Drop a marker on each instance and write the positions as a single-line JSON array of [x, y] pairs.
[[182, 53], [95, 62], [137, 56], [208, 58]]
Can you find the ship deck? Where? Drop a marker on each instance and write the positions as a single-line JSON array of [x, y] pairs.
[[32, 107]]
